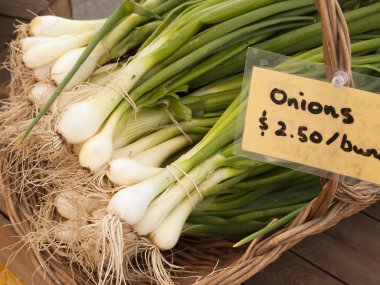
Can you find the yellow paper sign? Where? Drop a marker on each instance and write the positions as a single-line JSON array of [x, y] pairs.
[[313, 123]]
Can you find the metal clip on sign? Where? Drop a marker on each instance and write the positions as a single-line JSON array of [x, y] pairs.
[[339, 79]]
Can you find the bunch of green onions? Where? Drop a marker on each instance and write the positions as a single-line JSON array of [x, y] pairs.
[[161, 122], [55, 44]]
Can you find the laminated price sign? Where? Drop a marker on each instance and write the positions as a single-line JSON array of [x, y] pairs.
[[310, 124]]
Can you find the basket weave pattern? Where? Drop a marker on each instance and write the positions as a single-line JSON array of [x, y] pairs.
[[214, 259]]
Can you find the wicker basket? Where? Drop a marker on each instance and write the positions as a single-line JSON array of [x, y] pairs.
[[214, 259]]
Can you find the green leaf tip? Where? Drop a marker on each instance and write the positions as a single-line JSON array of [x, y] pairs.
[[133, 7]]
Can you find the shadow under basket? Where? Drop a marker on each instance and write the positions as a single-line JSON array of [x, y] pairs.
[[214, 261]]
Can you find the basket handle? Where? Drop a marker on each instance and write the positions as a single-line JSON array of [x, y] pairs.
[[337, 57]]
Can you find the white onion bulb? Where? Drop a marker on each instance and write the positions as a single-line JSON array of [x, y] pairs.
[[127, 172], [53, 26]]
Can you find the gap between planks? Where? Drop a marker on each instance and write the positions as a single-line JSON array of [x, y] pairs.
[[373, 211], [350, 250], [291, 269]]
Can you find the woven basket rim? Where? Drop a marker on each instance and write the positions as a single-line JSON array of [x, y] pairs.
[[336, 202]]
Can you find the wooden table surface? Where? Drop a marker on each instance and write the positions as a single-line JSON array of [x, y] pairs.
[[349, 253]]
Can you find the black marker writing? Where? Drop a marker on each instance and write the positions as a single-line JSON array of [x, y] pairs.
[[280, 97]]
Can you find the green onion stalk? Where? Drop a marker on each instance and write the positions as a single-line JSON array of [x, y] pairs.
[[163, 90], [143, 193], [212, 98], [165, 218], [133, 148], [97, 151], [173, 84], [138, 153], [363, 64], [284, 43]]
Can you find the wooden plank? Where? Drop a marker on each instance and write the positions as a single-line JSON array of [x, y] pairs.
[[6, 31], [57, 7], [290, 269], [349, 251], [87, 9], [5, 75], [374, 211], [22, 8], [60, 8], [20, 265]]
